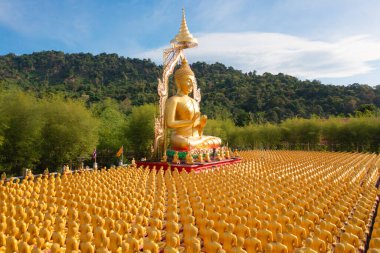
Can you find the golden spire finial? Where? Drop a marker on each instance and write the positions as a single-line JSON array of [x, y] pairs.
[[184, 38]]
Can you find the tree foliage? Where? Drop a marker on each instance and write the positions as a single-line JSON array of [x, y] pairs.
[[360, 134], [53, 130], [22, 118], [112, 130], [56, 108], [44, 133], [140, 130], [246, 98], [112, 124], [69, 132]]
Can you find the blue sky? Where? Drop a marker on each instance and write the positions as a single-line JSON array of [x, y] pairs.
[[336, 41]]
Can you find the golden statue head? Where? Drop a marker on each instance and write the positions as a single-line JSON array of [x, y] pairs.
[[184, 77]]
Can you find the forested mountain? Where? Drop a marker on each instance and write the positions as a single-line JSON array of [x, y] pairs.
[[226, 92]]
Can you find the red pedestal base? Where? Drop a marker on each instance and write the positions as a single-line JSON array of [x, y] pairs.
[[196, 167]]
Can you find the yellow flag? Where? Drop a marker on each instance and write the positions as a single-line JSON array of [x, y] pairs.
[[118, 154]]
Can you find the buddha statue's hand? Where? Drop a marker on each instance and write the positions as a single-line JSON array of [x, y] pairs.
[[195, 118], [202, 123], [203, 120]]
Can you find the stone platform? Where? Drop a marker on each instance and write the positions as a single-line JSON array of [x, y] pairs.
[[196, 167]]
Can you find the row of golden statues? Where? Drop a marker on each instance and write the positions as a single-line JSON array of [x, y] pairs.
[[273, 201], [203, 157]]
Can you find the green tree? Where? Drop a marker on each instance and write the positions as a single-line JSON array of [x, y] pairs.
[[356, 134], [140, 130], [112, 130], [367, 110], [226, 92], [252, 136], [302, 133], [270, 135], [236, 138], [2, 128], [374, 129], [70, 132], [219, 128], [112, 124], [330, 133], [21, 117], [310, 133]]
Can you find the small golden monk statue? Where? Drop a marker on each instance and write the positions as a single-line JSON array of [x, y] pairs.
[[228, 154], [200, 158], [164, 158], [189, 158], [219, 156], [183, 116], [207, 157], [176, 158], [172, 243], [133, 162]]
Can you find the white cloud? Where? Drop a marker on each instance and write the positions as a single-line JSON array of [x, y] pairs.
[[276, 52]]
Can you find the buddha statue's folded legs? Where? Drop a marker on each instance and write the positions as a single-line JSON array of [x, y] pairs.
[[182, 143]]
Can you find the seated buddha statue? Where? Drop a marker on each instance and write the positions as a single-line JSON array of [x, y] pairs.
[[183, 117]]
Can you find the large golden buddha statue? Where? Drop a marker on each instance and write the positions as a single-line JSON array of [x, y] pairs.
[[180, 113], [183, 116]]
